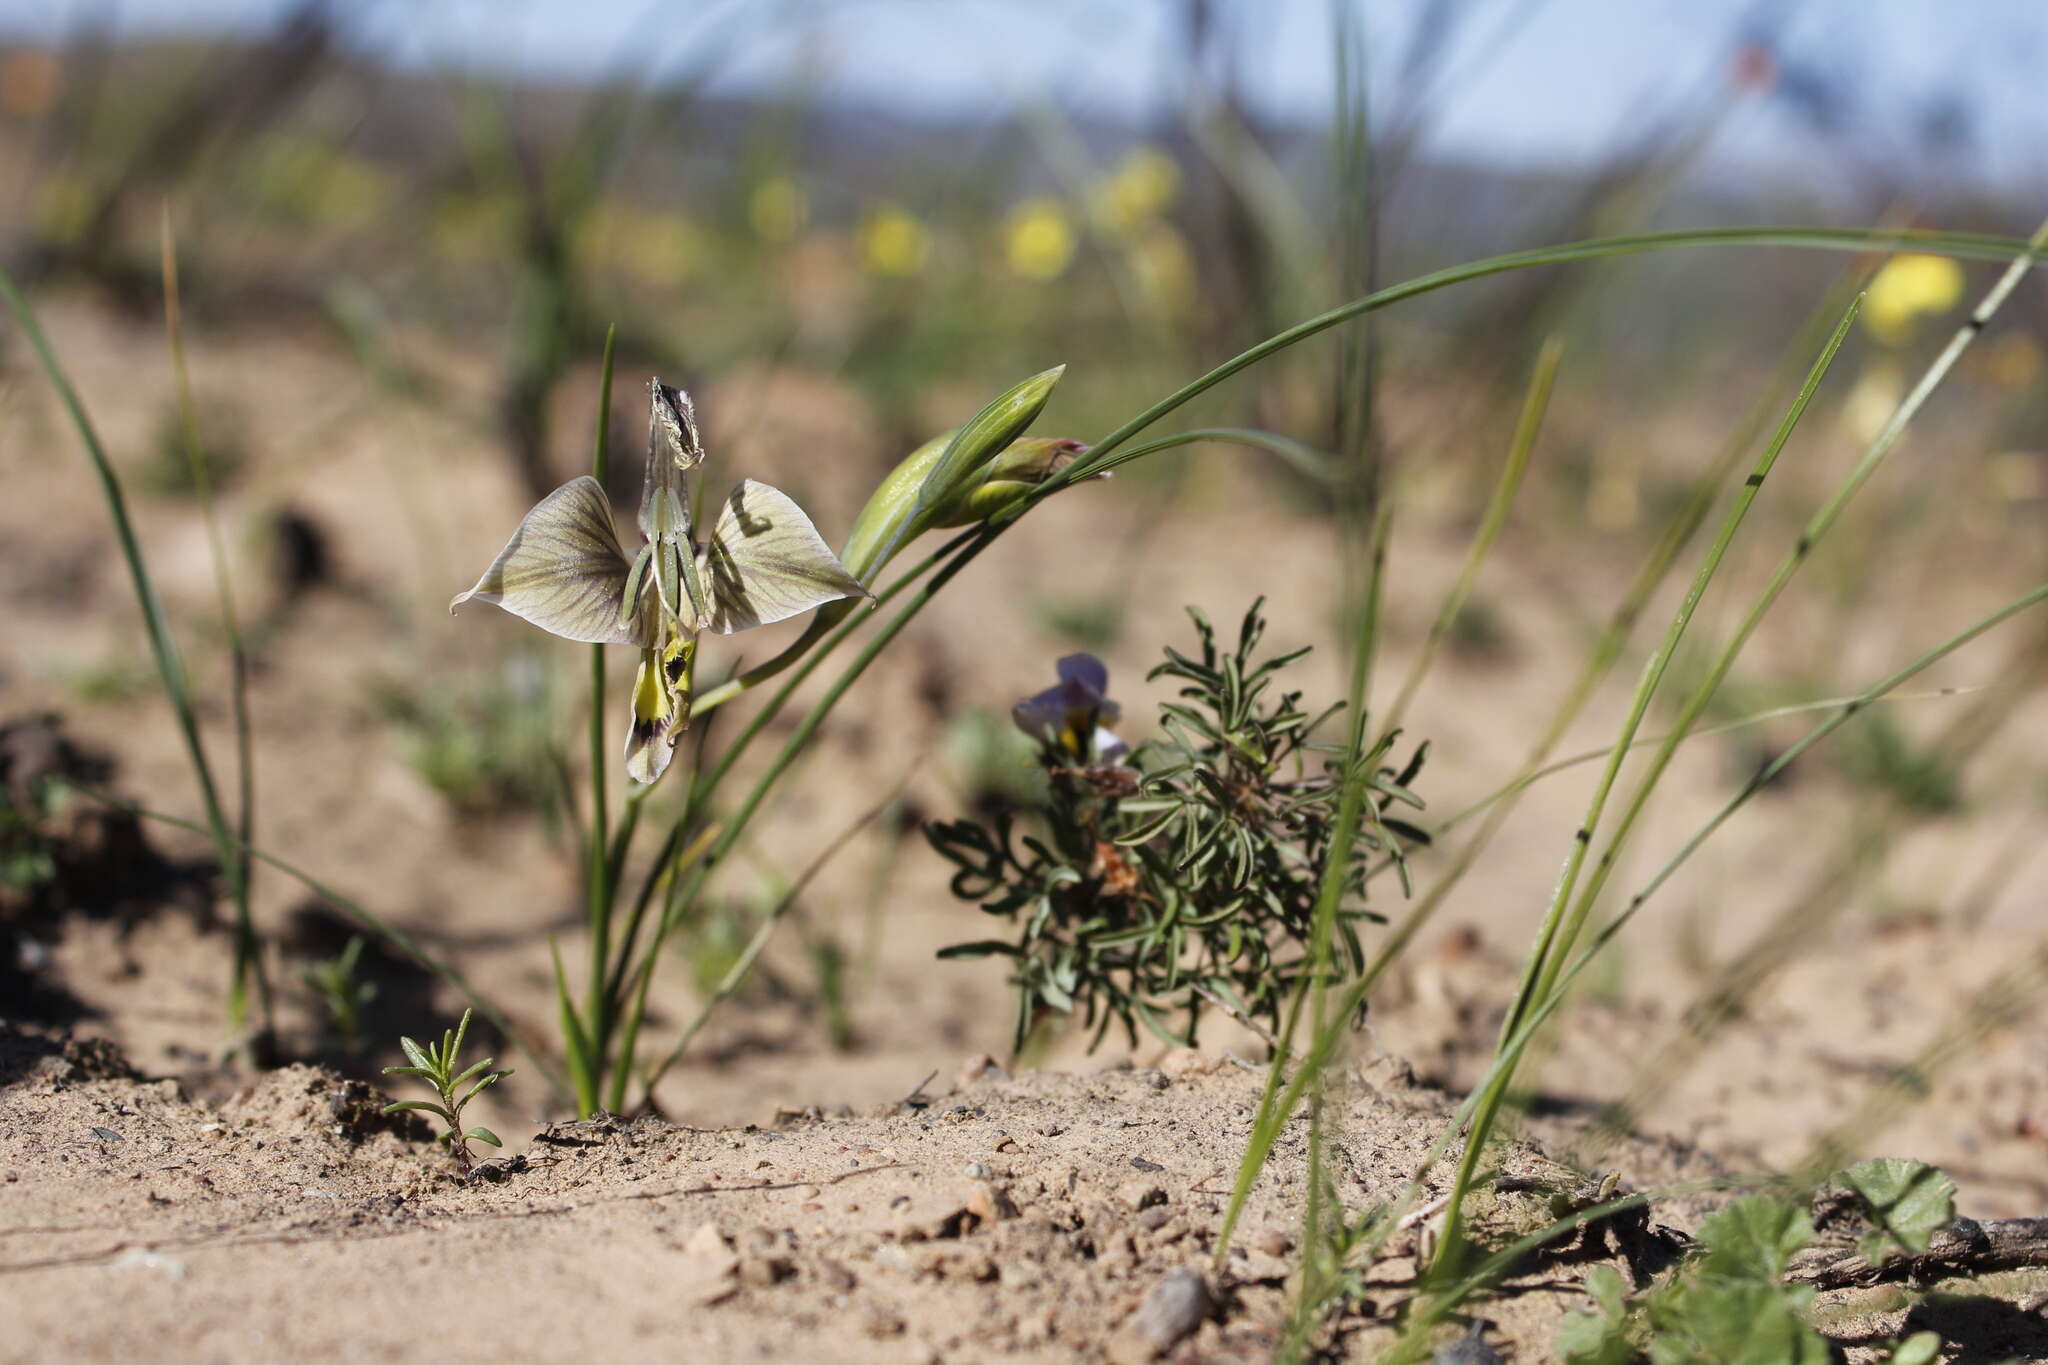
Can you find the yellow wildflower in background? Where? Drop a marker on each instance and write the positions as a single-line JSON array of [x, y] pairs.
[[893, 242], [1038, 240], [778, 209], [1142, 189], [1907, 289]]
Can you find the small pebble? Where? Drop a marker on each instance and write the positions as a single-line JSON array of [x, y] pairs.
[[1174, 1308], [1470, 1349]]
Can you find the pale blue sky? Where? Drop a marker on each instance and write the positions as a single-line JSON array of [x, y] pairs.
[[1573, 74]]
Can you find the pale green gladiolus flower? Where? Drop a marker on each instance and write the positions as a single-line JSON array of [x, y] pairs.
[[565, 571]]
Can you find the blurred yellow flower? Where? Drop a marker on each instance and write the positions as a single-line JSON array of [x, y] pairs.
[[1141, 189], [778, 209], [1907, 289], [1038, 239], [893, 242]]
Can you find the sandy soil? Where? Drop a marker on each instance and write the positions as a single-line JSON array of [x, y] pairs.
[[1028, 1219]]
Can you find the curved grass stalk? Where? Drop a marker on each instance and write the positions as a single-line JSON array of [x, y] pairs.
[[1830, 889], [1534, 405], [1562, 926], [170, 667], [1104, 454], [248, 952], [1973, 246], [1513, 1047], [1578, 760], [1613, 637], [1563, 918], [599, 882]]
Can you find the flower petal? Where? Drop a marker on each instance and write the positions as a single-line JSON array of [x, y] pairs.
[[1107, 748], [765, 562], [1086, 672], [1043, 713], [661, 708], [673, 449], [563, 570]]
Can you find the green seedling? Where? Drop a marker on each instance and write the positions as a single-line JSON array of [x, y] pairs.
[[436, 1066], [334, 981], [1732, 1298]]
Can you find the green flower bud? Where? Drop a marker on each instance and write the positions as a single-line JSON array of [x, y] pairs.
[[927, 489], [1007, 478]]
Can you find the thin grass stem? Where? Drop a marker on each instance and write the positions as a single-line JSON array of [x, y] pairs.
[[249, 969], [248, 964], [598, 854], [1564, 917], [1534, 404]]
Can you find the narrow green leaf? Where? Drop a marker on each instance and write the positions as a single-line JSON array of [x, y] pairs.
[[575, 1041], [484, 1065], [422, 1105], [987, 947]]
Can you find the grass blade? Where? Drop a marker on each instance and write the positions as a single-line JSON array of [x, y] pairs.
[[598, 860], [1565, 916], [249, 969]]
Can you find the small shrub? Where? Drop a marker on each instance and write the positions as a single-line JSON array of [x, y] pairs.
[[1181, 875]]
